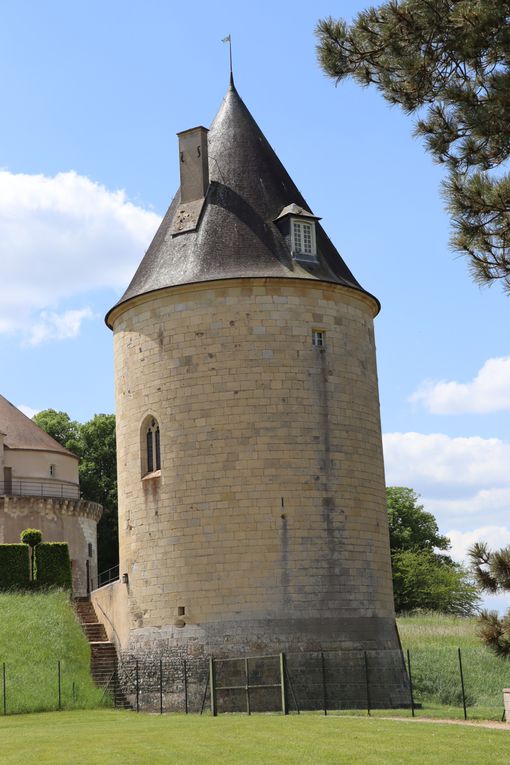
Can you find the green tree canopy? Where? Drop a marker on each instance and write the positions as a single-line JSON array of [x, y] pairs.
[[98, 481], [94, 442], [60, 427], [411, 527], [423, 578], [448, 62], [491, 569]]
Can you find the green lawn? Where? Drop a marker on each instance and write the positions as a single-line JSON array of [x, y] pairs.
[[36, 631], [107, 737]]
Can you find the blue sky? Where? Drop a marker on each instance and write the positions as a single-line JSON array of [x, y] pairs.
[[93, 94]]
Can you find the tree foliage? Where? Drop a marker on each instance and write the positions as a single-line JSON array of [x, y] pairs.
[[60, 427], [94, 442], [98, 481], [448, 62], [492, 572], [422, 577], [423, 580], [411, 527]]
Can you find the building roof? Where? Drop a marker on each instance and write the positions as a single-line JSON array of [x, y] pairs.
[[22, 433], [236, 235]]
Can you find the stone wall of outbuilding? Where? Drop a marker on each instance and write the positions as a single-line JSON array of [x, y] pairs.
[[61, 520]]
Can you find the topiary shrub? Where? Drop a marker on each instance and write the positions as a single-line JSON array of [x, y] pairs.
[[31, 537], [14, 567], [53, 565]]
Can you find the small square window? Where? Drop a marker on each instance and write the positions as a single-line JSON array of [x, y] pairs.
[[318, 338]]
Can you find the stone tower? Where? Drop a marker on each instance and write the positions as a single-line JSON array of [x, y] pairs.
[[252, 514]]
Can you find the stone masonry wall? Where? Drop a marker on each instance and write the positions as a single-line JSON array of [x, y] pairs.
[[61, 520], [267, 523]]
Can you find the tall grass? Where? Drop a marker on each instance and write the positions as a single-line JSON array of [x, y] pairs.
[[37, 630], [433, 641]]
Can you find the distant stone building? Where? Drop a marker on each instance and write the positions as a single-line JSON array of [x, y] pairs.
[[39, 488], [252, 508]]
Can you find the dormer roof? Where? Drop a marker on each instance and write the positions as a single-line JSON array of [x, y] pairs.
[[236, 235], [297, 211]]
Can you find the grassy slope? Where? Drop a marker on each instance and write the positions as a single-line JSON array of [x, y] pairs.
[[123, 738], [433, 641], [36, 631]]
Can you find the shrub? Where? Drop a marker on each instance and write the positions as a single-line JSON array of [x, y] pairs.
[[53, 565], [31, 537], [14, 567]]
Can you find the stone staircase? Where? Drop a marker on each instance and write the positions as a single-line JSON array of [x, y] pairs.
[[103, 652]]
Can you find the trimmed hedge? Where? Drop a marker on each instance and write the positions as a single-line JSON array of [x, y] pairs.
[[14, 566], [53, 565]]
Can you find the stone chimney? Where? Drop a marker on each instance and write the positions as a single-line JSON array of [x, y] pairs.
[[193, 163]]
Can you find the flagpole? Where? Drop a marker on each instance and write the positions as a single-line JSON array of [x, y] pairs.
[[228, 39]]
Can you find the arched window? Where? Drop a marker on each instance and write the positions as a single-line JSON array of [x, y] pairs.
[[151, 445]]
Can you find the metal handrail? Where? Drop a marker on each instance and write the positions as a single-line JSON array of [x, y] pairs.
[[21, 487], [106, 577]]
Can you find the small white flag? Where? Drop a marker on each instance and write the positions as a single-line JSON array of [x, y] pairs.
[[226, 39]]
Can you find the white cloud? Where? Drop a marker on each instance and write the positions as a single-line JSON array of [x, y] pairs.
[[435, 460], [61, 237], [488, 505], [29, 411], [463, 482], [489, 391], [55, 326], [495, 536]]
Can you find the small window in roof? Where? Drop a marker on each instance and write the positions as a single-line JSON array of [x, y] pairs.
[[303, 237]]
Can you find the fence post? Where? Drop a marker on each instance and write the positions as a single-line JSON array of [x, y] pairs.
[[212, 684], [137, 688], [205, 692], [161, 686], [462, 684], [285, 705], [324, 695], [59, 687], [185, 671], [410, 681], [4, 688], [367, 682], [247, 679]]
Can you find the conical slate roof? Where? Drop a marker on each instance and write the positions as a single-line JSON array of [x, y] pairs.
[[237, 235], [22, 433]]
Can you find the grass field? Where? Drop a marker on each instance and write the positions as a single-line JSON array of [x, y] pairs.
[[36, 631], [433, 641], [107, 737]]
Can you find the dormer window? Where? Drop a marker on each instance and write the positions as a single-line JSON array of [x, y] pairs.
[[298, 227], [303, 237]]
